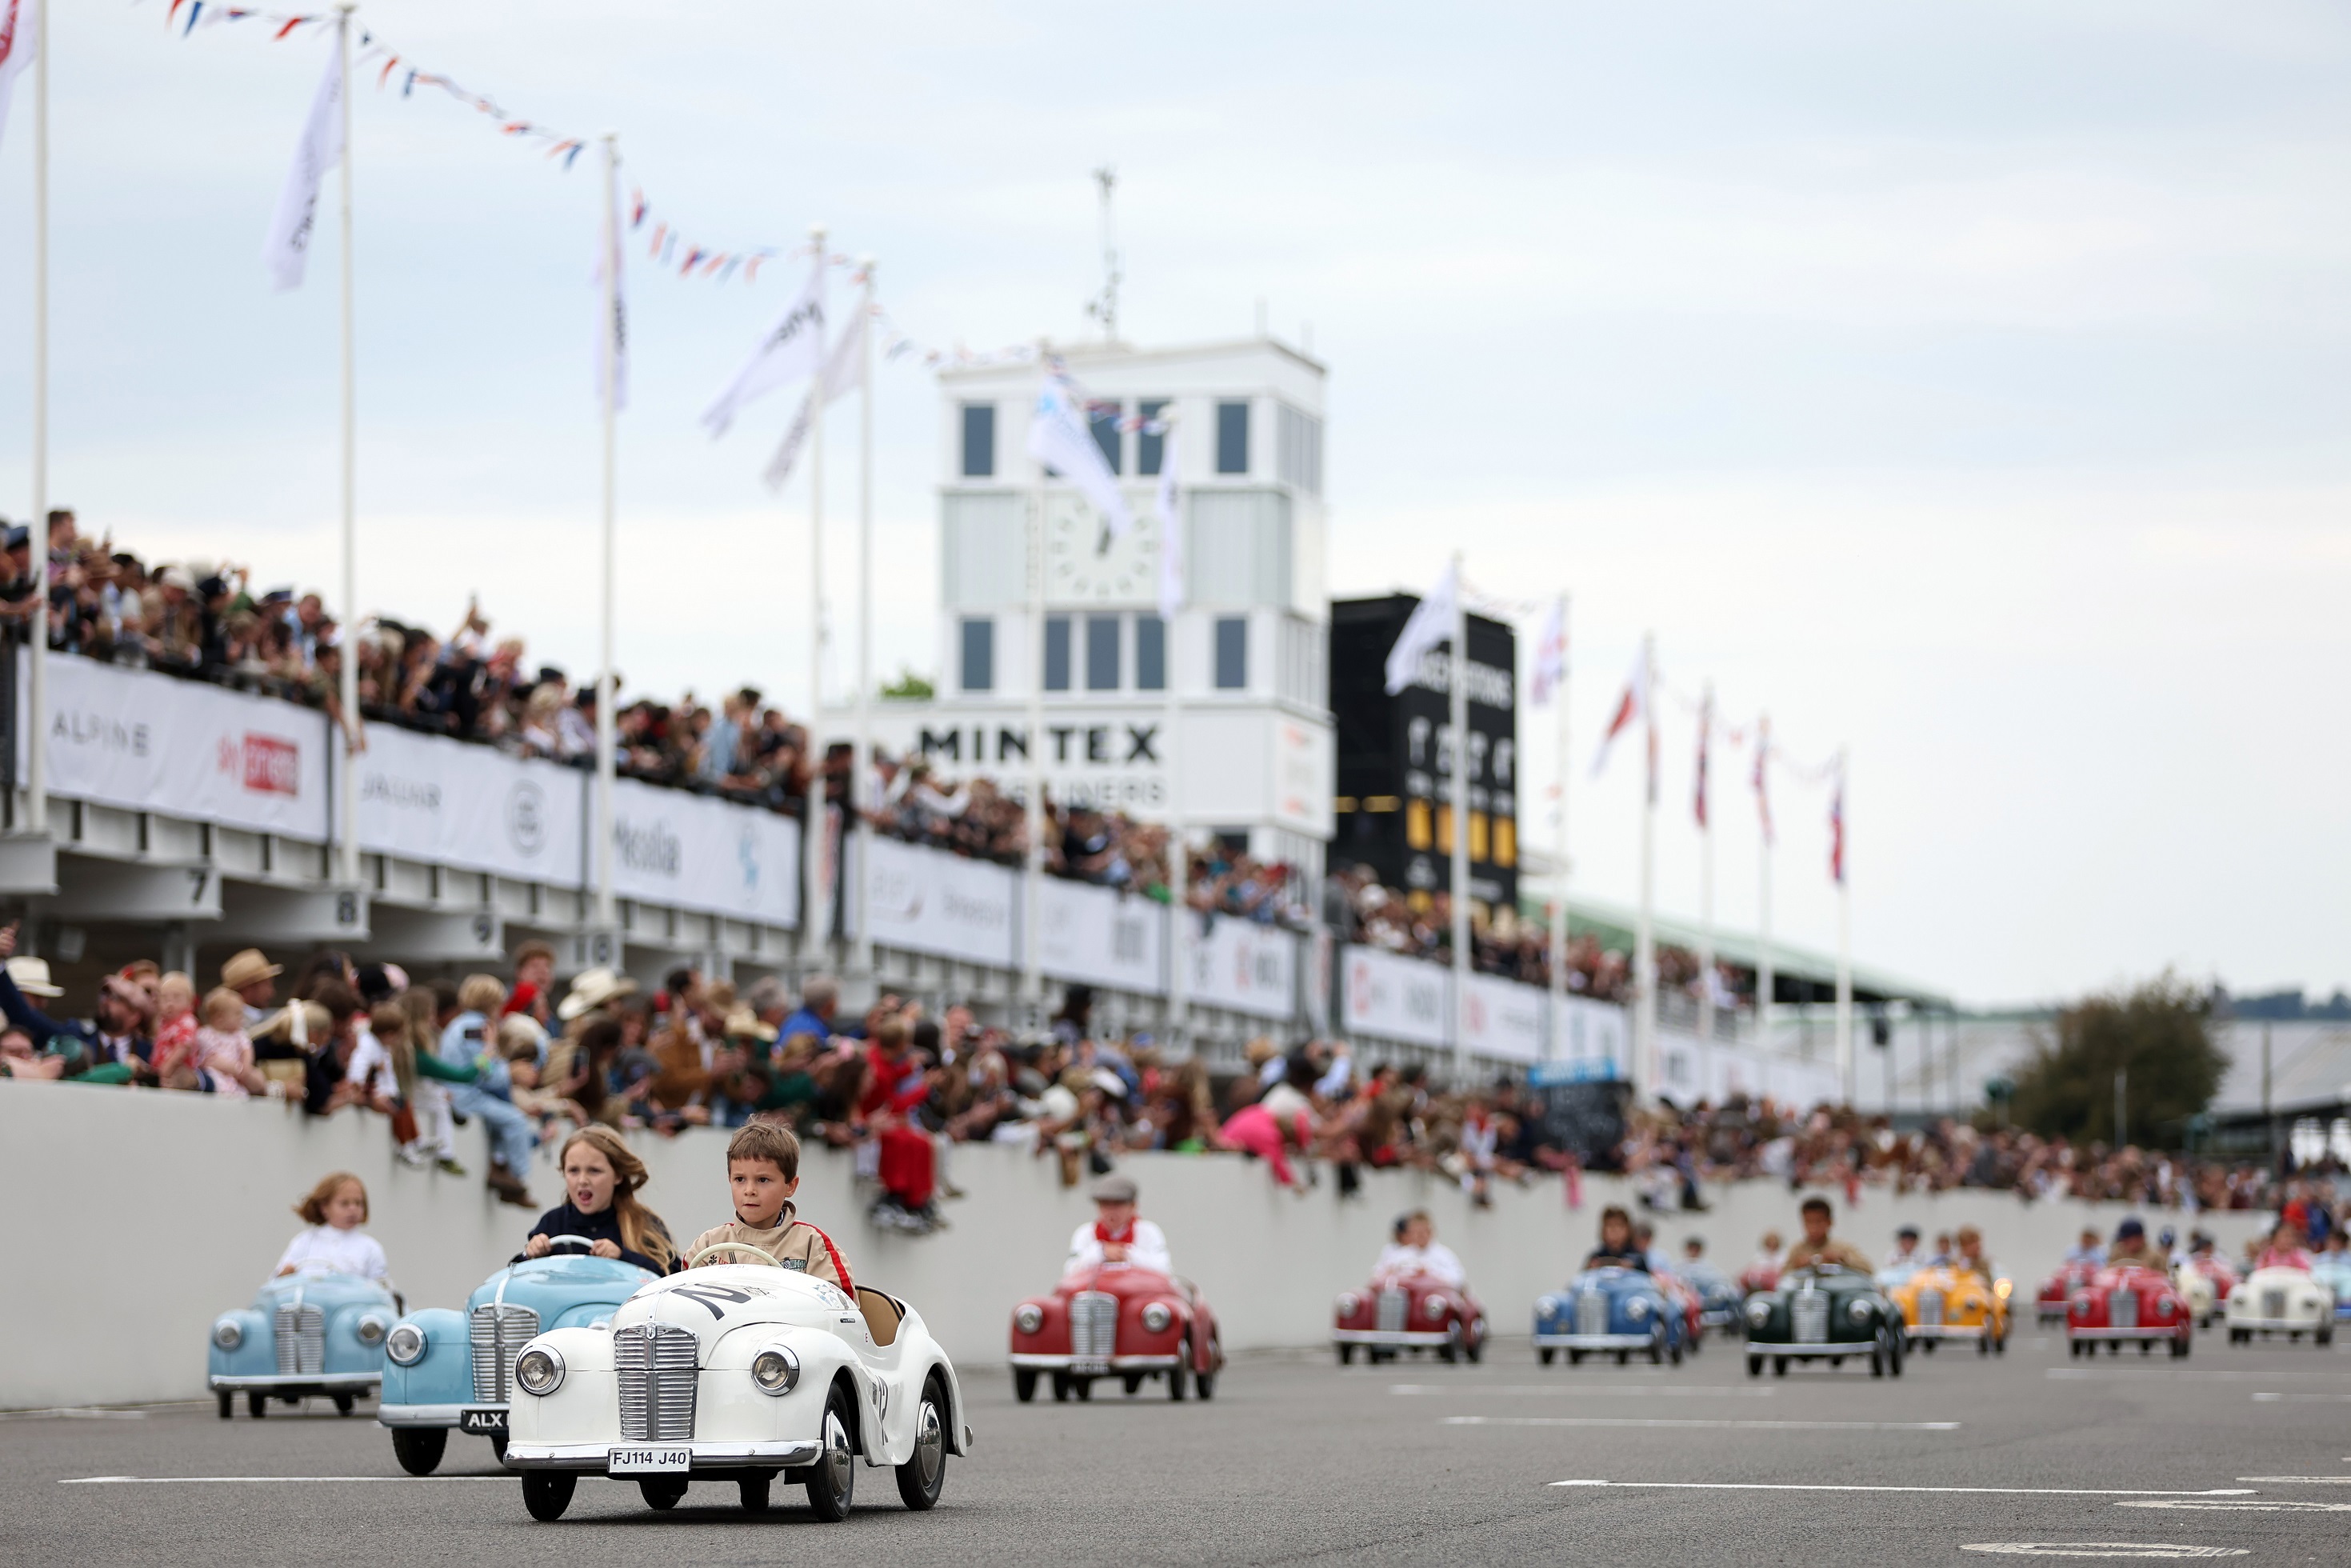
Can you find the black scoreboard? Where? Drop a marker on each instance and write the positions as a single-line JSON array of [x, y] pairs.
[[1394, 763]]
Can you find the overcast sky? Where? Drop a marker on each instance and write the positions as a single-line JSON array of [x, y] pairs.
[[1961, 382]]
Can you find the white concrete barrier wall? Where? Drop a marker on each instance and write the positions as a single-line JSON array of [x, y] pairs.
[[132, 1218]]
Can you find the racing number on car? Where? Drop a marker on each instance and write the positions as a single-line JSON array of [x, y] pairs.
[[712, 1295]]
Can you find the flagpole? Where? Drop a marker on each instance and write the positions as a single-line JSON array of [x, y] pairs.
[[1706, 882], [1033, 948], [1845, 1065], [1645, 936], [36, 528], [1558, 902], [608, 685], [815, 838], [1458, 699], [1766, 978], [348, 808], [1179, 856], [861, 761]]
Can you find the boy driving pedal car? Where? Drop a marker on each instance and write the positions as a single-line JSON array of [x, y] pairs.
[[763, 1168]]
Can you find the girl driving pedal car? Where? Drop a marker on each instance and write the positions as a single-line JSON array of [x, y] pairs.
[[600, 1181]]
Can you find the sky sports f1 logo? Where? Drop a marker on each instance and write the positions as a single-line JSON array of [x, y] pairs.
[[262, 763]]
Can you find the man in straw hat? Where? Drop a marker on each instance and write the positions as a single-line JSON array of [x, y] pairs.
[[112, 1046], [254, 977], [593, 990]]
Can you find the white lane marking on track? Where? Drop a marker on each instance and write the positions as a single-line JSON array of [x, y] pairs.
[[2302, 1398], [2301, 1481], [2103, 1549], [73, 1413], [1568, 1390], [2163, 1375], [1719, 1422], [1833, 1486], [2260, 1505], [248, 1480]]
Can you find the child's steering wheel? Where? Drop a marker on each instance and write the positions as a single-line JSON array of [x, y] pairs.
[[585, 1244], [696, 1261]]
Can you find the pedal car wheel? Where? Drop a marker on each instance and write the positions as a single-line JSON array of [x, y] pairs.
[[1133, 1383], [1084, 1386], [1060, 1388], [1476, 1347], [753, 1490], [661, 1491], [1024, 1384], [498, 1448], [1658, 1346], [419, 1448], [344, 1402], [1203, 1384], [227, 1404], [1346, 1355], [1178, 1380], [1754, 1366], [1983, 1345], [546, 1493], [256, 1406], [1451, 1350], [924, 1475], [1575, 1358], [1778, 1367], [1542, 1355], [832, 1479]]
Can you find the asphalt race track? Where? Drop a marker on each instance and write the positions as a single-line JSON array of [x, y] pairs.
[[2238, 1452]]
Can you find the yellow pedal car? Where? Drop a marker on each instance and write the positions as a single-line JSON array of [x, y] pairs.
[[1947, 1303]]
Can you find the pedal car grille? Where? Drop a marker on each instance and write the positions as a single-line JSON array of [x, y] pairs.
[[1093, 1323], [1808, 1318], [1930, 1308], [1393, 1309], [2122, 1309], [2272, 1305], [301, 1337], [498, 1334], [654, 1364], [1591, 1313]]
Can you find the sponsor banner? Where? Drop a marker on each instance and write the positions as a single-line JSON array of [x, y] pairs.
[[442, 801], [1103, 938], [1505, 1019], [926, 900], [1394, 997], [147, 742], [1242, 967], [696, 852], [1595, 1036]]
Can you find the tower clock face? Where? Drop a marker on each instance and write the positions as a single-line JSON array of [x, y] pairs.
[[1083, 563]]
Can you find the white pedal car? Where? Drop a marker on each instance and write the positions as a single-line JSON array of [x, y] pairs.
[[742, 1372], [2281, 1301]]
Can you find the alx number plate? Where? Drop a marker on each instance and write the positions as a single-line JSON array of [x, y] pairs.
[[648, 1461], [1093, 1366], [486, 1421]]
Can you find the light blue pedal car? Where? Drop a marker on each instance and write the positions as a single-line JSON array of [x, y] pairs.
[[309, 1333], [2333, 1272], [1605, 1311], [451, 1371]]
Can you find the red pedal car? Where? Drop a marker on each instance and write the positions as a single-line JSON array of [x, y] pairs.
[[2057, 1293], [1415, 1312], [2128, 1304], [1116, 1321]]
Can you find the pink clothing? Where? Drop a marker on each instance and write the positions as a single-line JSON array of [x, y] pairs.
[[175, 1044], [2285, 1257], [227, 1055], [1254, 1129]]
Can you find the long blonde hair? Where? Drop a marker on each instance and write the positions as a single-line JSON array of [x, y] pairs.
[[641, 1229]]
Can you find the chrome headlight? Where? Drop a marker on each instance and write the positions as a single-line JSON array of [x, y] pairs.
[[373, 1328], [2081, 1306], [1637, 1308], [775, 1369], [538, 1371], [404, 1344], [1759, 1312], [1860, 1310], [1030, 1318], [2163, 1306], [1349, 1303], [1156, 1317], [1432, 1306], [228, 1333], [1549, 1306]]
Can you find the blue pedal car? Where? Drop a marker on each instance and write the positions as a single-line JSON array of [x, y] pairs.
[[1606, 1310], [312, 1332], [1718, 1295], [451, 1371]]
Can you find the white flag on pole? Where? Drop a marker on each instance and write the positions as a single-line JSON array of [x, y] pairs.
[[1058, 438], [19, 42], [1431, 624], [1631, 710], [1171, 532], [845, 372], [785, 354], [296, 222], [1550, 654], [616, 330]]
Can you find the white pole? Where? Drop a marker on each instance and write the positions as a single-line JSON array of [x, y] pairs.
[[1845, 960], [1643, 1071], [1033, 948], [861, 760], [348, 792], [1179, 856], [815, 907], [36, 528], [608, 685], [1459, 718], [1766, 976], [1559, 900], [1706, 887]]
